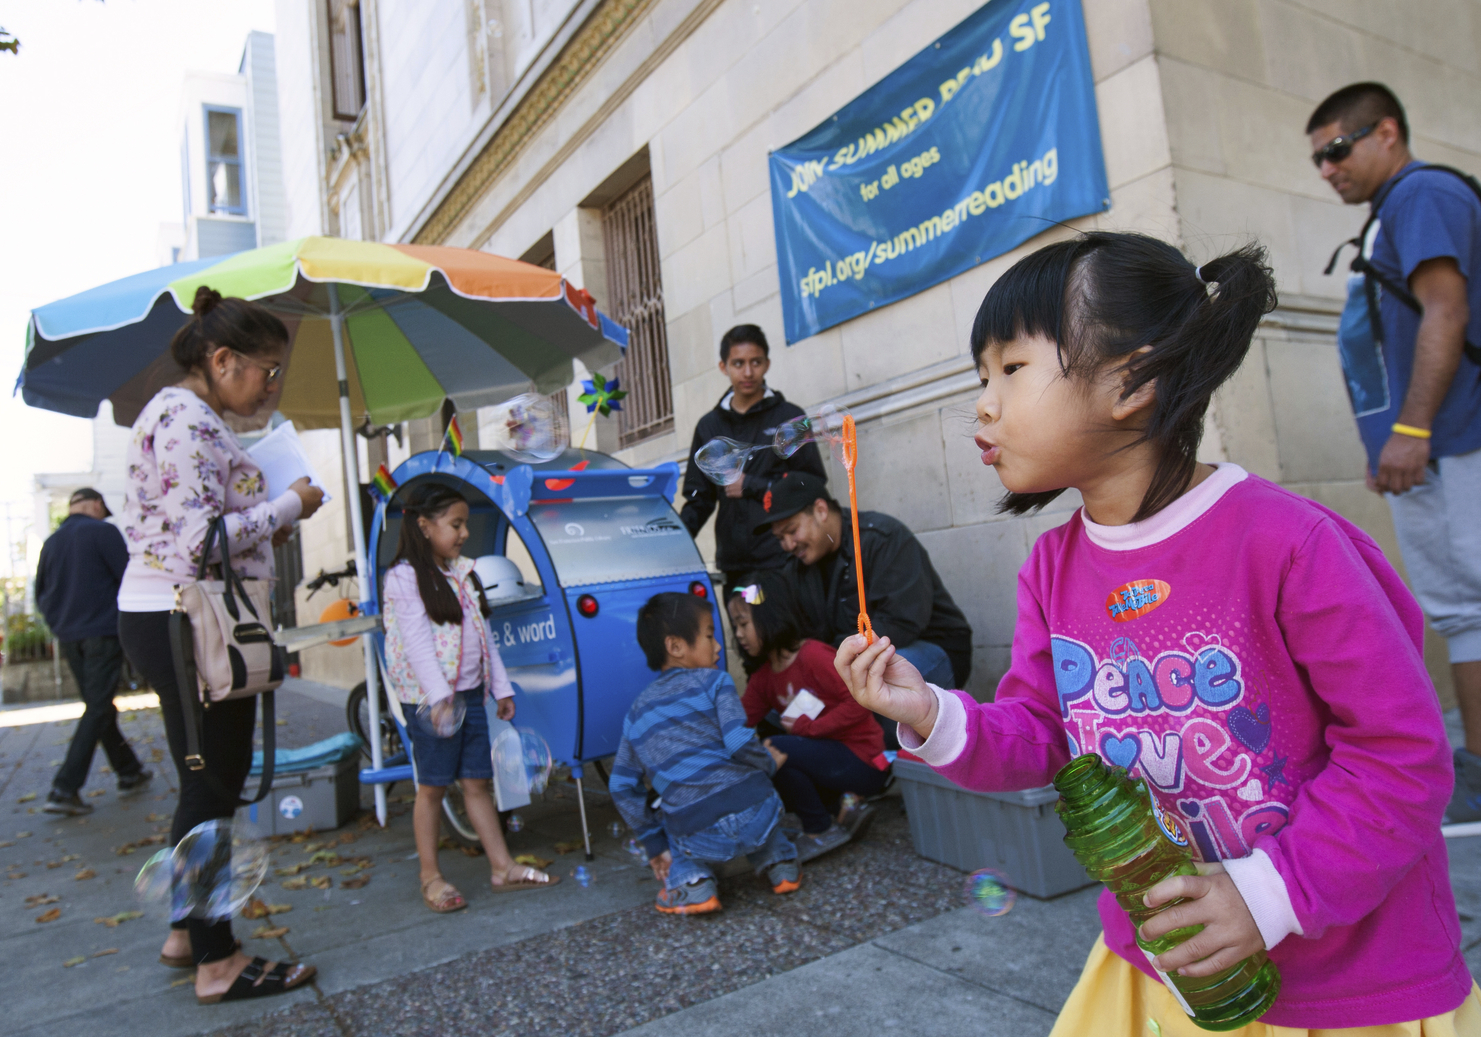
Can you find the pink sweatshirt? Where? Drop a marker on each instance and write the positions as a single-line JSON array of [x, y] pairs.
[[1255, 658], [419, 637]]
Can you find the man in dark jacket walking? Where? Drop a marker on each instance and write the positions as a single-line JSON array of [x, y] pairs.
[[747, 413], [907, 601], [77, 580]]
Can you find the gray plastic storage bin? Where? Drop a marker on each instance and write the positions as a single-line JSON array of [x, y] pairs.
[[1016, 833], [321, 799]]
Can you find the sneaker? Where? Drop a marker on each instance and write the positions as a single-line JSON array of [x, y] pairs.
[[692, 898], [784, 876], [1465, 802], [858, 821], [61, 803], [134, 782], [810, 846]]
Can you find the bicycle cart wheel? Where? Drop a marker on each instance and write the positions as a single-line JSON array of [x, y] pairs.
[[357, 715]]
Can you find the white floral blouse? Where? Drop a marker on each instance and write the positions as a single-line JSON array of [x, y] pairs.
[[185, 469]]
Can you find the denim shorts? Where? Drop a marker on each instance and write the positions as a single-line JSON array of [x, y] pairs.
[[466, 753]]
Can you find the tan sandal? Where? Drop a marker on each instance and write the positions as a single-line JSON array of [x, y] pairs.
[[528, 881], [448, 901]]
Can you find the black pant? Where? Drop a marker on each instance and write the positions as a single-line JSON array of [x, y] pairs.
[[95, 662], [817, 768], [226, 745]]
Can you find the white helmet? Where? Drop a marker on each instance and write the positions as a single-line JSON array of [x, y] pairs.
[[502, 581]]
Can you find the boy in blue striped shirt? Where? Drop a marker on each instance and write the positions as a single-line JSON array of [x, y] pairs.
[[686, 736]]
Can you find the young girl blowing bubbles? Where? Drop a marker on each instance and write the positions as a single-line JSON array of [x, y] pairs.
[[1247, 652], [440, 662]]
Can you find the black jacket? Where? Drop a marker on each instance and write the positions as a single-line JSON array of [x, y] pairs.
[[737, 546], [907, 601], [77, 578]]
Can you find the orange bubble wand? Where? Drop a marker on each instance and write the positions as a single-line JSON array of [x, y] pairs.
[[850, 459]]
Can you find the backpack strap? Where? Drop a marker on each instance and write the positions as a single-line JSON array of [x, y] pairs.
[[1372, 277]]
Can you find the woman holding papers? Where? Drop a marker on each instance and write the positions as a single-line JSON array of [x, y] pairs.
[[831, 744], [185, 470]]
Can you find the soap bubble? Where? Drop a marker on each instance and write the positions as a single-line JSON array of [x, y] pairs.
[[210, 874], [615, 828], [444, 718], [522, 763], [824, 425], [723, 460], [988, 891], [529, 429], [635, 848], [514, 822], [848, 805], [583, 876]]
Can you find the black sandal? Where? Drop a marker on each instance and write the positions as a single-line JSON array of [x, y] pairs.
[[247, 985]]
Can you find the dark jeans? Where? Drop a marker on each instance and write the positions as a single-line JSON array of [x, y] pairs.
[[226, 745], [96, 663], [819, 769]]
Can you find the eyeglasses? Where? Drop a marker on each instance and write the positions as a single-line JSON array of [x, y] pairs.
[[273, 371], [1338, 148]]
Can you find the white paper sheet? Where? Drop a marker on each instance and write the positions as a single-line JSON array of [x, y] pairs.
[[805, 704], [283, 461]]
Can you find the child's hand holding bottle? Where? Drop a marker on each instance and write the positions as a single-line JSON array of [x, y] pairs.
[[1210, 899], [882, 682]]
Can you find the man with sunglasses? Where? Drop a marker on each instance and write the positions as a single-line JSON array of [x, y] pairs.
[[1407, 342]]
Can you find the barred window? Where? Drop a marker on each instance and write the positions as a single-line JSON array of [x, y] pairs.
[[635, 300]]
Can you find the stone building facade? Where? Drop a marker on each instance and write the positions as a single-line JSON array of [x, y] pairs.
[[519, 127]]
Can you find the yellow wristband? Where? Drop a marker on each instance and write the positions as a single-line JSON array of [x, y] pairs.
[[1410, 430]]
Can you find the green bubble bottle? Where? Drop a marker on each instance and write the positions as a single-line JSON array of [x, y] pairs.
[[1122, 839]]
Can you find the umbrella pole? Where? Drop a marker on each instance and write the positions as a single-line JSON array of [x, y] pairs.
[[364, 574]]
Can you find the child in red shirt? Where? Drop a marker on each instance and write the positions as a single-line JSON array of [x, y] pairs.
[[832, 745]]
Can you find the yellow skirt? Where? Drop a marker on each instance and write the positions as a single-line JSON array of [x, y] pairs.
[[1115, 999]]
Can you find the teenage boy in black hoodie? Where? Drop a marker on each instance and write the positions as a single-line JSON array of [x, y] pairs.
[[749, 413]]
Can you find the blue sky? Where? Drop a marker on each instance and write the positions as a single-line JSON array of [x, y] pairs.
[[91, 168]]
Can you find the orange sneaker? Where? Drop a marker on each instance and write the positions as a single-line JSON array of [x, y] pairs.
[[785, 877], [693, 898]]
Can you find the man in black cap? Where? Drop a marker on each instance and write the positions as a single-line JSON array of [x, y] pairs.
[[748, 413], [907, 601], [77, 582]]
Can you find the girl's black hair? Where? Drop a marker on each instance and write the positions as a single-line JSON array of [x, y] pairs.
[[429, 501], [234, 323], [778, 617], [1103, 296]]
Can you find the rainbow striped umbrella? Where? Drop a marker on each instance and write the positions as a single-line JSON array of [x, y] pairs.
[[420, 323]]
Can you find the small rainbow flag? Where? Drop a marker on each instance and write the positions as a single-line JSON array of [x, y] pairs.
[[454, 436], [382, 483]]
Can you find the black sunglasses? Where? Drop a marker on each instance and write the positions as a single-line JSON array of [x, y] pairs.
[[1338, 148]]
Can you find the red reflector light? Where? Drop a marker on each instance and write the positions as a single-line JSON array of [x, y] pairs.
[[586, 605], [699, 590]]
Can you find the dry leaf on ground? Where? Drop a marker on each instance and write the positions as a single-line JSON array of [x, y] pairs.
[[85, 873], [269, 932], [346, 838], [74, 961], [355, 883], [15, 875], [71, 857], [254, 909], [104, 954], [534, 861], [328, 857], [321, 882], [28, 797], [292, 869], [569, 845], [183, 980], [50, 916], [53, 864], [118, 919], [41, 900], [152, 818], [95, 793], [299, 883]]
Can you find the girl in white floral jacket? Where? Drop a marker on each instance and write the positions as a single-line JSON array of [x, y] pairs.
[[441, 662]]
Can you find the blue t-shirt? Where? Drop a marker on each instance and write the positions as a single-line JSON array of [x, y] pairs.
[[1425, 216]]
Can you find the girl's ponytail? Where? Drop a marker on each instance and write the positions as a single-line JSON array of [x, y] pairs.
[[1107, 298]]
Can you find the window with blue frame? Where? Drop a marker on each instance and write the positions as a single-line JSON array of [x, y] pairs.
[[224, 187]]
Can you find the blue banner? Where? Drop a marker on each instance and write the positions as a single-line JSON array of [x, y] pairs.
[[973, 146]]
